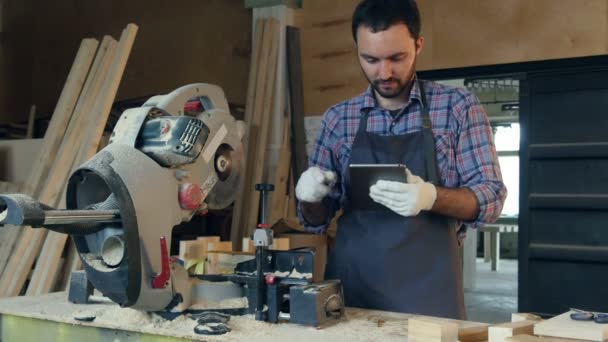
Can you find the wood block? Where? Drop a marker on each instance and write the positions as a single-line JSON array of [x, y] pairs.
[[224, 262], [191, 249], [222, 246], [473, 333], [248, 245], [428, 329], [563, 326], [280, 244], [499, 333], [520, 316]]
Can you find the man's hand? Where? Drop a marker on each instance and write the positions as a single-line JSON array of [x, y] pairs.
[[406, 199], [314, 184]]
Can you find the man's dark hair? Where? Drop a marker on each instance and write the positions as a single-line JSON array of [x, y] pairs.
[[379, 15]]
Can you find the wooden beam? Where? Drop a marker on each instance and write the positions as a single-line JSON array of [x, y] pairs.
[[236, 230], [264, 127], [52, 193], [296, 99], [100, 93], [29, 244], [61, 116]]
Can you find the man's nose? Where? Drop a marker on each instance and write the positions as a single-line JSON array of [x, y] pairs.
[[385, 71]]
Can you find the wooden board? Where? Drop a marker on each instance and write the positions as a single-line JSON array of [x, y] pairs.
[[259, 159], [28, 246], [296, 99], [563, 326], [56, 182], [61, 116], [255, 90]]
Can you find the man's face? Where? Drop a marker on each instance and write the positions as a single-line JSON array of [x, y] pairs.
[[388, 58]]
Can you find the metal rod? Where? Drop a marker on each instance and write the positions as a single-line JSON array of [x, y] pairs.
[[53, 217]]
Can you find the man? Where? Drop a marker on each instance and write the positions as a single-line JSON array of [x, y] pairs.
[[406, 257]]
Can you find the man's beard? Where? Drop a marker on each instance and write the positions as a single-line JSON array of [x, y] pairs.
[[400, 88]]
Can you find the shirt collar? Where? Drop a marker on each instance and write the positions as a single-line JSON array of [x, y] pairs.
[[369, 100]]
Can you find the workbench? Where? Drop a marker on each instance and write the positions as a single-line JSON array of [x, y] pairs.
[[50, 317]]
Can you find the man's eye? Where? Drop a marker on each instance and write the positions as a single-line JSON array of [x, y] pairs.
[[371, 60]]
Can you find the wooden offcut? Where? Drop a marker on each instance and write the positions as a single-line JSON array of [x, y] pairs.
[[499, 333], [427, 329]]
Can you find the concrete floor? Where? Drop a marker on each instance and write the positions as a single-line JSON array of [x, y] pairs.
[[494, 297]]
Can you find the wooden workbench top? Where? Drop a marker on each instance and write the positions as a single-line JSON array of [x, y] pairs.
[[358, 325]]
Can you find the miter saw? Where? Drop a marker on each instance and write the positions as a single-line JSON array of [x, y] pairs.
[[176, 156]]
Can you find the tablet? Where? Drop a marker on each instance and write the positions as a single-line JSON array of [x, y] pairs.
[[363, 176]]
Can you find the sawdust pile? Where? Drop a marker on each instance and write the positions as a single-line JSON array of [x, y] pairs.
[[358, 325]]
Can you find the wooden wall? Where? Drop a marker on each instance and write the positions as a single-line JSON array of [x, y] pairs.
[[457, 34], [178, 42]]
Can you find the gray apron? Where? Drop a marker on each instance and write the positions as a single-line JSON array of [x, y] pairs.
[[395, 263]]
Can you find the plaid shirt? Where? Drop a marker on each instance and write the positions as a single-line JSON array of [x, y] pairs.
[[466, 156]]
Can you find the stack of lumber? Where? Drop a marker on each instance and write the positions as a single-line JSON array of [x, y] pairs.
[[73, 136]]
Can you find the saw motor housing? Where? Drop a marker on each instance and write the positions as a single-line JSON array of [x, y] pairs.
[[161, 167]]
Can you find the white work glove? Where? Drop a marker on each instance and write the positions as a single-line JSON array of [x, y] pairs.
[[314, 184], [406, 199]]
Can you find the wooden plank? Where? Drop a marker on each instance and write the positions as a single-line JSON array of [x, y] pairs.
[[563, 326], [237, 213], [254, 126], [426, 329], [281, 178], [61, 115], [31, 119], [29, 244], [101, 109], [296, 96], [68, 156], [8, 240], [264, 128], [499, 333], [72, 263]]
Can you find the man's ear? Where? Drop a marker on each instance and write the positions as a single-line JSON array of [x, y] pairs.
[[419, 43]]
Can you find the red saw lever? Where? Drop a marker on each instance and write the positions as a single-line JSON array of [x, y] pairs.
[[162, 279]]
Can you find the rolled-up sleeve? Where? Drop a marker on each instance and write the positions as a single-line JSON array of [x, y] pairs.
[[323, 156], [477, 161]]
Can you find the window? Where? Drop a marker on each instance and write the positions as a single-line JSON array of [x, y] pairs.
[[506, 138]]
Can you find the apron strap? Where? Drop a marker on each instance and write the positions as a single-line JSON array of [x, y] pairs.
[[427, 131], [429, 142]]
